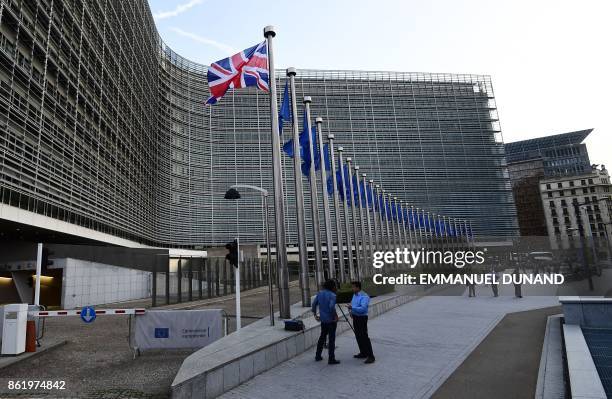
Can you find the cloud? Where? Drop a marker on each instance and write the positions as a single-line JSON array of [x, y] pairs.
[[181, 8], [201, 39]]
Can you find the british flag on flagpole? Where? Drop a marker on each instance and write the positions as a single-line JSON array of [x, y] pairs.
[[248, 68]]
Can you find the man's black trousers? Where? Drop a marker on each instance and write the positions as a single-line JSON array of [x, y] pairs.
[[360, 324], [327, 329]]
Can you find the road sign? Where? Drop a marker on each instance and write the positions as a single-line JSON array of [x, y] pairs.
[[88, 314]]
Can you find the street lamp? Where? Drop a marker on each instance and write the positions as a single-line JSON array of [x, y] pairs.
[[581, 234], [233, 194]]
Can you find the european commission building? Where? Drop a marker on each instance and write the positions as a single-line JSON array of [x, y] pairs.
[[104, 129]]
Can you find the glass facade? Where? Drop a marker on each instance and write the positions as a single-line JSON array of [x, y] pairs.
[[104, 126], [560, 154]]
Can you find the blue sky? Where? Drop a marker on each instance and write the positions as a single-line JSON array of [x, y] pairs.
[[550, 61]]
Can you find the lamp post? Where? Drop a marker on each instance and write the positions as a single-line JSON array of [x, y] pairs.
[[233, 194], [576, 206]]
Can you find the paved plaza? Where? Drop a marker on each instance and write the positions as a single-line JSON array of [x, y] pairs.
[[417, 347]]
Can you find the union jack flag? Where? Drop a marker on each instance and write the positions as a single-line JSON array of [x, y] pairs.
[[248, 68]]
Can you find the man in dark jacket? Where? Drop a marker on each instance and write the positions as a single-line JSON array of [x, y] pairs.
[[326, 302]]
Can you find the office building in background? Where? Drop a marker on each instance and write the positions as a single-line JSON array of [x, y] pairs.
[[531, 160]]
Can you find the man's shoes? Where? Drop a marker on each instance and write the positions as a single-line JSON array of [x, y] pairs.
[[318, 358], [333, 361], [370, 360], [359, 356]]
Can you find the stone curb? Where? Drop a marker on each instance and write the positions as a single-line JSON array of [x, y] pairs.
[[9, 361]]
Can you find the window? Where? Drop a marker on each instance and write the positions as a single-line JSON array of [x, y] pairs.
[[559, 185], [549, 194], [571, 183], [551, 204], [590, 180], [548, 186], [583, 182]]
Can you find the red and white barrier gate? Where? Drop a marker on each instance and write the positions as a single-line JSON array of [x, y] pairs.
[[55, 313]]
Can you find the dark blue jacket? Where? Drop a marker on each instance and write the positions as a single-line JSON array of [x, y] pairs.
[[326, 301]]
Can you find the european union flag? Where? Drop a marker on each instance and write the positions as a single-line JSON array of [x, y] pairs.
[[305, 148], [284, 114], [326, 159], [355, 189], [343, 191]]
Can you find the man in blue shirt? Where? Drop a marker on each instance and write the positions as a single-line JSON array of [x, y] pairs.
[[359, 313], [326, 302]]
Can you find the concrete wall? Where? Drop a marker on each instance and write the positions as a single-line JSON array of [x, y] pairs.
[[587, 312], [91, 283]]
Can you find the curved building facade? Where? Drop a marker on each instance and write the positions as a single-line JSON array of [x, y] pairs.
[[104, 127]]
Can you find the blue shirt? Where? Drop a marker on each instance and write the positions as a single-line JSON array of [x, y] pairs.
[[360, 303], [326, 301]]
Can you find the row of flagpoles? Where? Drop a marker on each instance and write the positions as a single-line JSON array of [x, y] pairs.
[[373, 219], [380, 221]]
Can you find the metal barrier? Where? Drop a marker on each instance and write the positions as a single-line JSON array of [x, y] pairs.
[[207, 278]]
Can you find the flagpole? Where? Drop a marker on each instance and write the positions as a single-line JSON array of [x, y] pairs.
[[374, 216], [357, 270], [410, 227], [439, 235], [425, 237], [435, 240], [299, 195], [406, 232], [431, 235], [367, 210], [381, 209], [467, 235], [314, 198], [336, 198], [279, 211], [326, 212], [364, 258], [427, 229], [386, 202], [417, 227], [347, 229], [394, 238], [457, 235], [473, 246], [400, 238], [446, 233]]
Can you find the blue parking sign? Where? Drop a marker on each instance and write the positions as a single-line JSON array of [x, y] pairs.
[[88, 314]]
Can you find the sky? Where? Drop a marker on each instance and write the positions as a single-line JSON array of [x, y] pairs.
[[550, 61]]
